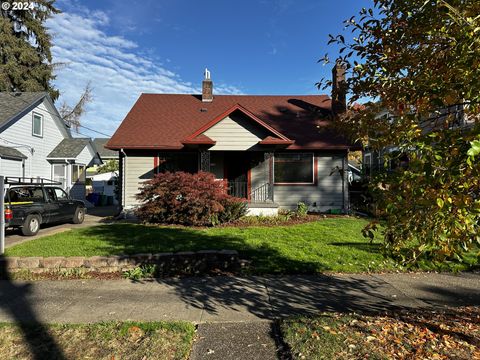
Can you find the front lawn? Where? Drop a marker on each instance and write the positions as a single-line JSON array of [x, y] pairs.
[[451, 333], [334, 244], [331, 244], [112, 340]]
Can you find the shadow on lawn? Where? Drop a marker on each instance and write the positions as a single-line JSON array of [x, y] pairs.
[[15, 302], [127, 239]]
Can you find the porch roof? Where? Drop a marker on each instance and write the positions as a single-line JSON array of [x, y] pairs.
[[171, 121], [68, 148], [199, 140], [11, 153]]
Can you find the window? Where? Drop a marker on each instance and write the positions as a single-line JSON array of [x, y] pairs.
[[78, 174], [59, 174], [50, 194], [26, 194], [37, 125], [61, 195], [367, 165], [187, 162], [293, 168]]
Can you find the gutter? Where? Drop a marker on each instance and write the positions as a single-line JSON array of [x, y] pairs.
[[122, 177]]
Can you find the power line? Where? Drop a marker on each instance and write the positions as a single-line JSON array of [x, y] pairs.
[[62, 119]]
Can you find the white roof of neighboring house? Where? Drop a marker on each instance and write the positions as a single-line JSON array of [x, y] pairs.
[[105, 176]]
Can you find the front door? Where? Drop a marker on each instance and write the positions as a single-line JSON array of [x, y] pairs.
[[236, 168]]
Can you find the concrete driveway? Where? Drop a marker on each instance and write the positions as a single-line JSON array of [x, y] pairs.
[[95, 216]]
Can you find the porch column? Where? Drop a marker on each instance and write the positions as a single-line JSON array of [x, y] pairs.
[[205, 160], [268, 158]]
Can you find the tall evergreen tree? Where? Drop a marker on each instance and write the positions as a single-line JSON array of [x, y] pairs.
[[25, 56]]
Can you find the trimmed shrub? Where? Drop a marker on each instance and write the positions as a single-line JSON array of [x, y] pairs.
[[233, 209], [188, 199], [302, 209]]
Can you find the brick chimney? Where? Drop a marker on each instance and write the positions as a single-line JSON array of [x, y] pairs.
[[207, 88], [339, 88]]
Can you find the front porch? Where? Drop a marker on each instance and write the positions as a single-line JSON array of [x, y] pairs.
[[247, 174], [266, 179]]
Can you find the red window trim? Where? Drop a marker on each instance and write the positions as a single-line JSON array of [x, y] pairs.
[[315, 172], [156, 160]]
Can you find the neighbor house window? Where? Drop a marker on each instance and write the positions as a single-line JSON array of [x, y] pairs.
[[37, 125], [294, 168], [78, 174], [367, 164]]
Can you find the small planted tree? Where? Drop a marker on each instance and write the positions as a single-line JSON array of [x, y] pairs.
[[187, 199]]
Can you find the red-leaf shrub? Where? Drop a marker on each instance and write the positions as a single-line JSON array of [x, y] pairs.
[[189, 199]]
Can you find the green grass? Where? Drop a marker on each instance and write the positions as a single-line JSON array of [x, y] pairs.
[[324, 245], [108, 340], [407, 334]]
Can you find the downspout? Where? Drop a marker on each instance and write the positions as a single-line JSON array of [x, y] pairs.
[[346, 193], [122, 166]]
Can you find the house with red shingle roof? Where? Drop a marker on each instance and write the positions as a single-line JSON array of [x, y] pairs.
[[274, 151]]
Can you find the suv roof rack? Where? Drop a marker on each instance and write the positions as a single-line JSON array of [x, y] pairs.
[[30, 181]]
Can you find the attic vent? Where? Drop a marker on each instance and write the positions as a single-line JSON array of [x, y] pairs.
[[203, 109]]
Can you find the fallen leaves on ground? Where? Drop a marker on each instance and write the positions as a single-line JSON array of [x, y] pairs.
[[447, 333]]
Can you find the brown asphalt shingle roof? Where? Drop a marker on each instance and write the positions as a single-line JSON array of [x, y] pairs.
[[162, 121]]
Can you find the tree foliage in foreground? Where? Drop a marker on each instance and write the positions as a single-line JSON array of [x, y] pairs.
[[419, 61], [109, 166], [26, 59]]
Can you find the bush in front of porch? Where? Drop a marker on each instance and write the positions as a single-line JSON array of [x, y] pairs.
[[188, 199]]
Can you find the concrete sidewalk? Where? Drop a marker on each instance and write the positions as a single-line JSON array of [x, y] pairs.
[[230, 299]]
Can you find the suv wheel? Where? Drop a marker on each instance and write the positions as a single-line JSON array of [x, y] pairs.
[[31, 225], [79, 215]]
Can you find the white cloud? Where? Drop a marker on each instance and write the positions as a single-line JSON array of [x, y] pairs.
[[118, 74]]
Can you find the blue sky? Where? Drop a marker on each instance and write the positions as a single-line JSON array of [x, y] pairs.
[[125, 48]]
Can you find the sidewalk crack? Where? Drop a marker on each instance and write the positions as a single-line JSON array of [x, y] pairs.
[[269, 299]]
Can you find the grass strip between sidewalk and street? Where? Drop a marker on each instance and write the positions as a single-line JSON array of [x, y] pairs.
[[108, 340], [449, 333]]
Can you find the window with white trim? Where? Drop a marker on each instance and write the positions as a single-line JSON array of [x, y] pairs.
[[37, 125], [293, 168], [78, 173]]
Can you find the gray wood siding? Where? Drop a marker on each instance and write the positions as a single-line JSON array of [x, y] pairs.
[[235, 133], [137, 169], [327, 193]]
